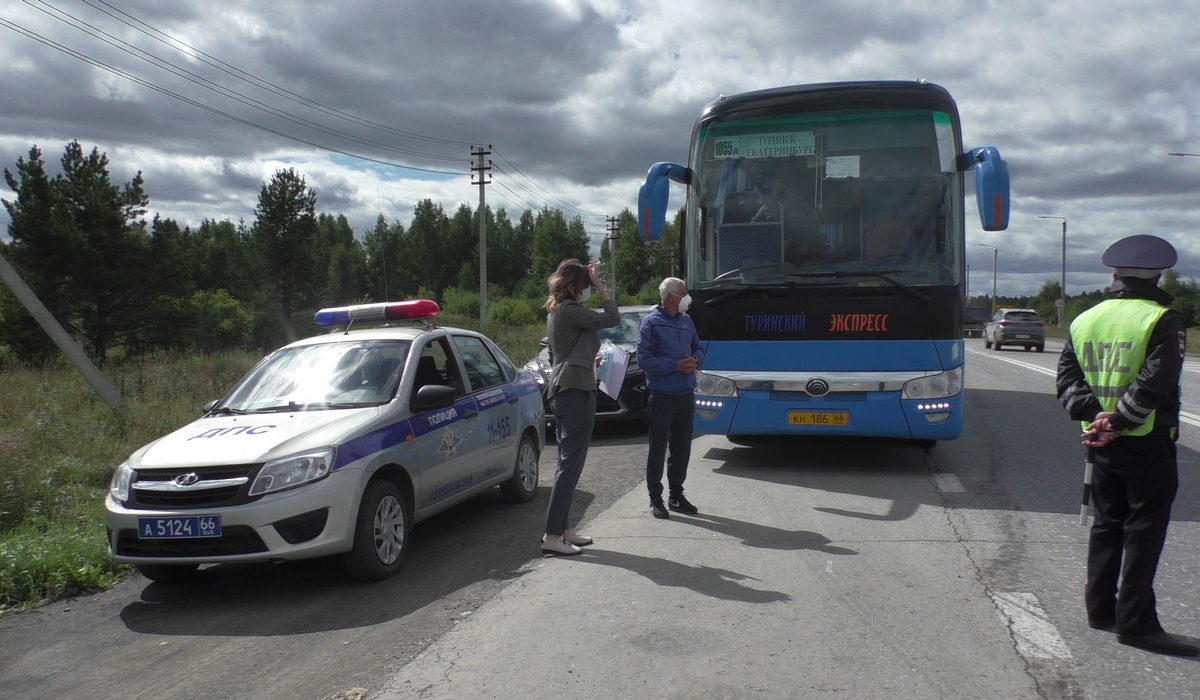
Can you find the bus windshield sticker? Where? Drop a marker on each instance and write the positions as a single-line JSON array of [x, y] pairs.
[[841, 167], [944, 131], [776, 145]]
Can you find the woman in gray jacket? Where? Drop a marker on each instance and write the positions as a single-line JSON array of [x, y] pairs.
[[571, 330]]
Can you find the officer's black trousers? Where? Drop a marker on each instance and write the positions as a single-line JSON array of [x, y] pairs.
[[1133, 486]]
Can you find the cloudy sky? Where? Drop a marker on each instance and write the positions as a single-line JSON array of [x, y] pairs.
[[378, 102]]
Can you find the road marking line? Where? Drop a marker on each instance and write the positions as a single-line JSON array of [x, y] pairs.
[[1035, 636], [947, 482], [1018, 363], [1190, 418]]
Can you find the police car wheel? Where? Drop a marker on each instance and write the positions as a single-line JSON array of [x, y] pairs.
[[380, 533], [522, 486], [167, 573]]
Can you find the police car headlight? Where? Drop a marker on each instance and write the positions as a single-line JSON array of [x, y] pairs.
[[293, 471], [936, 386], [119, 488], [123, 477], [714, 385]]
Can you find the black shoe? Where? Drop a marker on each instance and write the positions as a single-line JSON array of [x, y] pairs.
[[1160, 643], [658, 509], [1103, 625], [679, 504]]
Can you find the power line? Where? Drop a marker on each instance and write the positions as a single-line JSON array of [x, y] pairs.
[[134, 79], [203, 82], [506, 160], [236, 72], [535, 200], [544, 202]]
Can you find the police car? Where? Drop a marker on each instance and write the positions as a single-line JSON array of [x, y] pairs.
[[335, 444]]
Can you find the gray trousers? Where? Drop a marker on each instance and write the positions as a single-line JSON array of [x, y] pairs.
[[575, 414]]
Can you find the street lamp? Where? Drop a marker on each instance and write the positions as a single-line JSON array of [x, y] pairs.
[[1062, 287], [994, 252]]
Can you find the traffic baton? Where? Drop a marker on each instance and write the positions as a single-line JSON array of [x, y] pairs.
[[1087, 488]]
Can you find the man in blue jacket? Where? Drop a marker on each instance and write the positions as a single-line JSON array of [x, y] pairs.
[[669, 352]]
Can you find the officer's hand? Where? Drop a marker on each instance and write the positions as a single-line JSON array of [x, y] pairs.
[[1099, 432]]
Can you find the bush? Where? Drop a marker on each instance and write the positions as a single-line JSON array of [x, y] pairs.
[[647, 295], [459, 302], [217, 321], [511, 312]]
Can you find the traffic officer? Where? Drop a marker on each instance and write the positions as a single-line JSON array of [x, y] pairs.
[[1119, 375]]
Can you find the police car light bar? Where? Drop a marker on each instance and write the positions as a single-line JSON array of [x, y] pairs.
[[413, 310]]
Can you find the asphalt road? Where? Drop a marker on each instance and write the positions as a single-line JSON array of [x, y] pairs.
[[1008, 491]]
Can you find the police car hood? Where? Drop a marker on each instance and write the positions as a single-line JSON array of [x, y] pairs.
[[248, 439]]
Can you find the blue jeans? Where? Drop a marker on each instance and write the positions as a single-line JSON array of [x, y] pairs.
[[574, 414], [670, 426]]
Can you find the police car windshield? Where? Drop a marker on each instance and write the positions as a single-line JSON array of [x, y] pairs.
[[320, 377]]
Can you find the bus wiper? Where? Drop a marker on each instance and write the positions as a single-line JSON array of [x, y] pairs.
[[881, 274], [737, 292], [838, 274]]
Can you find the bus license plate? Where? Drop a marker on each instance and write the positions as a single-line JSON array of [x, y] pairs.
[[179, 528], [819, 418]]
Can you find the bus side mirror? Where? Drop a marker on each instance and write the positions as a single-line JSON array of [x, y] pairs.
[[991, 188], [652, 197]]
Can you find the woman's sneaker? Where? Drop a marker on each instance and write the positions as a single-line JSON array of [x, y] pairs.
[[559, 547]]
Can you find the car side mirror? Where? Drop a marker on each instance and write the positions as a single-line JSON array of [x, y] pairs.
[[433, 397], [209, 406], [544, 342]]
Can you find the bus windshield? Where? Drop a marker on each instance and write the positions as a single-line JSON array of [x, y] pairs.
[[849, 197]]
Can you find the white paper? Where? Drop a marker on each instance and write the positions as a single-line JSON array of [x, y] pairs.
[[613, 362]]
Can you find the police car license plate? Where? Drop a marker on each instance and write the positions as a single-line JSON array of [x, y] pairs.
[[819, 418], [179, 528]]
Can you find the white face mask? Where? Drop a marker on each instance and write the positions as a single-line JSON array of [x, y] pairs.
[[585, 294], [684, 302]]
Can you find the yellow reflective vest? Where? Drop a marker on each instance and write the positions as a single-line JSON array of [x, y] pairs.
[[1110, 341]]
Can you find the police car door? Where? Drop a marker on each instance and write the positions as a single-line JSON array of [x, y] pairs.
[[496, 398], [450, 442]]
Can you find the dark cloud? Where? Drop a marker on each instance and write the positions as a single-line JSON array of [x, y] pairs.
[[1084, 99]]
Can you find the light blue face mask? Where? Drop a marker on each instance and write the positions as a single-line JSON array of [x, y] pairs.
[[583, 296]]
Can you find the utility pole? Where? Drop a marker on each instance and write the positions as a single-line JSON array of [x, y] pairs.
[[1062, 285], [995, 251], [613, 233], [479, 174], [83, 364]]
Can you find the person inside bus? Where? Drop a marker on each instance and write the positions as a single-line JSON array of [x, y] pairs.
[[892, 236], [785, 200]]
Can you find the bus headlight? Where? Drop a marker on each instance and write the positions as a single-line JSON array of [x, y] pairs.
[[714, 385], [935, 386]]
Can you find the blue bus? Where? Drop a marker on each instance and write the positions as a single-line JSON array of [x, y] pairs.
[[823, 241]]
